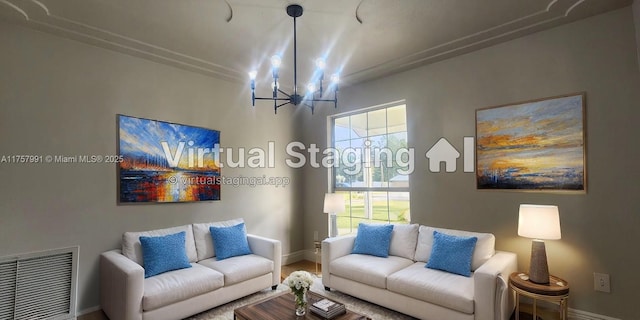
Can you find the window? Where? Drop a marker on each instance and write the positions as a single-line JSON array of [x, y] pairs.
[[372, 167]]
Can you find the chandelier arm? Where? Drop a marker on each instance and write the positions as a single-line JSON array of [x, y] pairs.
[[321, 100], [282, 104], [334, 100], [276, 99], [286, 94], [310, 106], [275, 107]]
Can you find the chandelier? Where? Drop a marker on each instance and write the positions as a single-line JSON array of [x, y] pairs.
[[314, 90]]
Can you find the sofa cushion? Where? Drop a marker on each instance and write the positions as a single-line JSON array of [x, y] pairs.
[[230, 241], [452, 253], [241, 268], [163, 253], [404, 239], [484, 250], [368, 269], [178, 285], [438, 287], [373, 239], [132, 249], [202, 236]]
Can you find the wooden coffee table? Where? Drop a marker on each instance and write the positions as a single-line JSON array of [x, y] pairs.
[[282, 307]]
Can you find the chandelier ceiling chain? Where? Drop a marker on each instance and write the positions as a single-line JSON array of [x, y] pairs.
[[314, 88]]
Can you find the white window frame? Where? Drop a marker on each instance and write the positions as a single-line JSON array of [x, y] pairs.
[[331, 172]]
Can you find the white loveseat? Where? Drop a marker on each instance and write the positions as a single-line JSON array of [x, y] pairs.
[[125, 293], [402, 282]]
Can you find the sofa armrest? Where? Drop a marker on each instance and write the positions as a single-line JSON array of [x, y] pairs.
[[490, 293], [121, 286], [334, 248], [270, 249]]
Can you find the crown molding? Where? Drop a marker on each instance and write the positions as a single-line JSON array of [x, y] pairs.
[[36, 15], [551, 15], [15, 9]]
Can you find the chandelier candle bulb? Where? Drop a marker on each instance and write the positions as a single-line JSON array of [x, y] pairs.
[[276, 61], [311, 88]]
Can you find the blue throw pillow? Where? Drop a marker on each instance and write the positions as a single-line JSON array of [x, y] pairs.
[[373, 239], [164, 253], [452, 253], [230, 241]]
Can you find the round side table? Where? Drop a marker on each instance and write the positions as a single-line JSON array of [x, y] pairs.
[[556, 291]]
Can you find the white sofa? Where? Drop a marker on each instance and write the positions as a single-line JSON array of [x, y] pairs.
[[402, 283], [125, 293]]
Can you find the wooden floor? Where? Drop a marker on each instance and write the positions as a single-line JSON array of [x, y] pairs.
[[305, 265]]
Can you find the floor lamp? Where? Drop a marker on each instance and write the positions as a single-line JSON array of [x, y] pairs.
[[333, 203], [540, 223]]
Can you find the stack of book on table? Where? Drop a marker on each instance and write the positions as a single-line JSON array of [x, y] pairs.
[[327, 309]]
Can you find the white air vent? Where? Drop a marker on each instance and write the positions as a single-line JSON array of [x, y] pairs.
[[39, 285]]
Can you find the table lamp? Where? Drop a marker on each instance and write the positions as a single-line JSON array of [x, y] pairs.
[[333, 203], [539, 222]]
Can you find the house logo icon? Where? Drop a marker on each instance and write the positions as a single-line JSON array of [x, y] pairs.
[[443, 151]]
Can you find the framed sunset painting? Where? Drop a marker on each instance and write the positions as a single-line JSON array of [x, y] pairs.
[[166, 162], [533, 146]]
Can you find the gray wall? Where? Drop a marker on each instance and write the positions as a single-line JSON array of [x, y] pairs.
[[599, 228], [61, 97]]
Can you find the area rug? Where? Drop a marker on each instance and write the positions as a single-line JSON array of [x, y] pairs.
[[375, 312]]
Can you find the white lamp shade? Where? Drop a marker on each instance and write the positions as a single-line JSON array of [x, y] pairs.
[[539, 222], [333, 203]]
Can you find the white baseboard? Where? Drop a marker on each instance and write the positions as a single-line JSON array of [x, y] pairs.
[[293, 257], [300, 255], [575, 314]]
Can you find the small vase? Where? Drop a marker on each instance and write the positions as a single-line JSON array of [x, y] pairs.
[[301, 303]]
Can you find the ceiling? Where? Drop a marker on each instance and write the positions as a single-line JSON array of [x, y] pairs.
[[363, 39]]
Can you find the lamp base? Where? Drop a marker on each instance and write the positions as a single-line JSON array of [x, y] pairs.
[[333, 232], [538, 270]]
